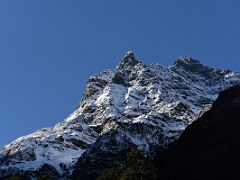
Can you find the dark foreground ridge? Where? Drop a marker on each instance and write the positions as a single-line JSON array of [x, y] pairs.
[[210, 147]]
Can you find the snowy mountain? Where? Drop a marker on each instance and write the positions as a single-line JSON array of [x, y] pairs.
[[132, 106]]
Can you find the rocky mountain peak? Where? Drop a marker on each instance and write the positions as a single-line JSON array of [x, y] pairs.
[[187, 60], [128, 60], [192, 65]]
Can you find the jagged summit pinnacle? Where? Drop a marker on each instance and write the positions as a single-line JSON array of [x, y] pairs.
[[128, 60], [129, 54], [190, 64], [188, 60]]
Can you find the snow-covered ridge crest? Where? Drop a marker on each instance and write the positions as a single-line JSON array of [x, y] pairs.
[[133, 106]]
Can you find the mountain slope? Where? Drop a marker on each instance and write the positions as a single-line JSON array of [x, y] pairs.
[[209, 148], [133, 106]]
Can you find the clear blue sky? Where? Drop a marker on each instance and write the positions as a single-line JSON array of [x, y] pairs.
[[49, 48]]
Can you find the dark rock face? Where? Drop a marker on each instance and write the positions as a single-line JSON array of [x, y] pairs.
[[192, 65], [97, 160], [46, 171], [210, 147], [24, 154]]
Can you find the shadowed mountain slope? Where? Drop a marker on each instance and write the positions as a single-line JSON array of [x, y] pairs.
[[209, 148]]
